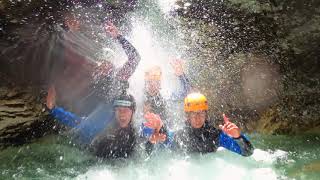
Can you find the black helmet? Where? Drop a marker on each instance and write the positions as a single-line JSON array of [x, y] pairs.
[[125, 100]]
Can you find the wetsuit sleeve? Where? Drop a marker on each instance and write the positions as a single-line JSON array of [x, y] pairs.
[[130, 66], [175, 139], [239, 145], [169, 143], [147, 132], [185, 88], [65, 117]]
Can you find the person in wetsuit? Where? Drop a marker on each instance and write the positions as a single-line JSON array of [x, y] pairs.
[[84, 75], [154, 101], [156, 107], [119, 138], [107, 83], [200, 136]]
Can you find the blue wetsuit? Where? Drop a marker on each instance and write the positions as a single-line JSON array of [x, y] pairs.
[[85, 129]]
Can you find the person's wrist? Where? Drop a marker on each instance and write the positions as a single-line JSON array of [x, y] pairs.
[[49, 109], [237, 137], [163, 130]]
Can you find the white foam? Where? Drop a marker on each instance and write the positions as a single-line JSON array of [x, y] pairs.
[[97, 174], [264, 174], [269, 156]]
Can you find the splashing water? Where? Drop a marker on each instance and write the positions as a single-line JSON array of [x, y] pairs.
[[275, 157], [157, 45]]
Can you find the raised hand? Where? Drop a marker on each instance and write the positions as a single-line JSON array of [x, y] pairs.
[[177, 65], [230, 128], [157, 137], [111, 29], [51, 97], [153, 121]]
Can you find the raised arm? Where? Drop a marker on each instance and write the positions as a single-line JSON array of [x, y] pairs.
[[64, 117], [185, 84], [129, 67], [154, 132], [232, 139]]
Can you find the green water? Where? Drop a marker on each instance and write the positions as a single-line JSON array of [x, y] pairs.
[[275, 157]]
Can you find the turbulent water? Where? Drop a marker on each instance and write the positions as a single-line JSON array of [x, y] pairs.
[[275, 157]]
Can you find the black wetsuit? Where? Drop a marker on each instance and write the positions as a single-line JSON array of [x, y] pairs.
[[97, 106], [208, 139], [158, 105], [115, 143], [107, 86]]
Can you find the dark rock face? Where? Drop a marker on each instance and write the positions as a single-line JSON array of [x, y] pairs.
[[258, 61], [22, 115], [37, 49], [33, 37], [296, 114], [284, 35]]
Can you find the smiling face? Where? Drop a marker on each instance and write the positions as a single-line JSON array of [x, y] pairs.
[[123, 116], [197, 119]]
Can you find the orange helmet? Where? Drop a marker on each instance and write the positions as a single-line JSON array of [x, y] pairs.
[[153, 73], [195, 102]]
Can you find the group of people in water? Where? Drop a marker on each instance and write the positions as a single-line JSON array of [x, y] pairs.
[[108, 129]]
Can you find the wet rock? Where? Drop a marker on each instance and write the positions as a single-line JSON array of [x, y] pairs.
[[22, 115], [226, 38], [33, 55], [288, 116], [285, 33]]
